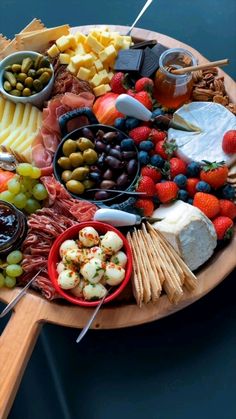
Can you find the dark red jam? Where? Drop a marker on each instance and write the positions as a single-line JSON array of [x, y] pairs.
[[13, 227]]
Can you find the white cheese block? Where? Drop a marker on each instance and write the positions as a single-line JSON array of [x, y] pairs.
[[211, 120], [188, 230]]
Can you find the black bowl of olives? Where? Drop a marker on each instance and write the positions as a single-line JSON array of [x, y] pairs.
[[94, 159]]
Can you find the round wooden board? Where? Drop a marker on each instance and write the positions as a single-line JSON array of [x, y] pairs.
[[20, 334]]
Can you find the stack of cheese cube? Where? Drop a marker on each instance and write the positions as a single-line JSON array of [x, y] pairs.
[[91, 57]]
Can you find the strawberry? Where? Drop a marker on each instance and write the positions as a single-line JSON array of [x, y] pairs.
[[146, 205], [214, 173], [229, 142], [177, 167], [223, 227], [227, 208], [146, 184], [207, 203], [165, 149], [157, 136], [144, 98], [152, 172], [144, 84], [130, 92], [139, 134], [166, 191], [118, 83], [191, 186]]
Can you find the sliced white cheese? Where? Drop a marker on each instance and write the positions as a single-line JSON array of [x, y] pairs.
[[213, 120], [188, 230]]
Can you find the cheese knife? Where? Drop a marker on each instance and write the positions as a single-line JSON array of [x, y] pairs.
[[118, 218]]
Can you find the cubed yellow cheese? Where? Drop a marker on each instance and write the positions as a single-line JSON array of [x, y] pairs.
[[93, 71], [83, 73], [64, 58], [110, 75], [108, 54], [95, 57], [96, 80], [101, 90], [104, 76], [80, 37], [71, 52], [98, 64], [105, 38], [82, 60], [63, 43], [53, 51], [95, 45], [118, 42], [126, 44], [80, 49], [72, 68]]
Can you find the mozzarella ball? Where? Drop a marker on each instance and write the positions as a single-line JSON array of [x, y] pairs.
[[60, 267], [78, 290], [119, 258], [114, 274], [111, 243], [96, 252], [94, 292], [93, 270], [68, 279], [89, 237], [71, 258], [67, 245]]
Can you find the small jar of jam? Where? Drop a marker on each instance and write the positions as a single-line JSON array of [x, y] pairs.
[[13, 228], [174, 90]]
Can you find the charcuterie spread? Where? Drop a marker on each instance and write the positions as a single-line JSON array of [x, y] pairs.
[[67, 150]]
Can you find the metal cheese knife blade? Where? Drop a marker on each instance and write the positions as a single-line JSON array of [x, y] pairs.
[[146, 5], [87, 326]]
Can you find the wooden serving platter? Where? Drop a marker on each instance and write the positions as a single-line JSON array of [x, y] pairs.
[[19, 337]]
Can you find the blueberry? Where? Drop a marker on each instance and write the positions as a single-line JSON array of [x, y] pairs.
[[183, 195], [157, 160], [180, 180], [146, 145], [127, 144], [120, 123], [131, 123], [193, 169], [203, 187], [228, 192], [190, 201], [157, 112], [143, 157]]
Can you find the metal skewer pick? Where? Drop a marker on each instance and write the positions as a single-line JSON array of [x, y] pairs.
[[147, 4], [15, 300]]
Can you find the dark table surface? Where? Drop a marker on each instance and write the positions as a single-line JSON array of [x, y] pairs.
[[183, 366]]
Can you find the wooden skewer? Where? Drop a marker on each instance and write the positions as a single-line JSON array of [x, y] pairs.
[[184, 70]]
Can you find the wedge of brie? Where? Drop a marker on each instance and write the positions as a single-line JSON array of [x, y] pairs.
[[207, 123], [188, 230]]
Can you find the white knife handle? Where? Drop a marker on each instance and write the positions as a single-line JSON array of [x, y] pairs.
[[116, 218], [132, 107]]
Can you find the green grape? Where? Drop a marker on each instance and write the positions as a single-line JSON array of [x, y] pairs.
[[14, 257], [36, 173], [2, 280], [14, 186], [14, 270], [32, 205], [23, 188], [9, 281], [7, 196], [39, 192], [24, 169], [20, 200]]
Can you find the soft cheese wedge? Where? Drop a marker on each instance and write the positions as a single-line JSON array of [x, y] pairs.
[[188, 230]]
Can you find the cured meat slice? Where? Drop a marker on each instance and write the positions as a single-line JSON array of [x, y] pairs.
[[41, 156]]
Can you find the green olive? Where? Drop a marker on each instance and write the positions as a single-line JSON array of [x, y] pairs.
[[7, 86], [80, 173], [19, 86], [26, 92], [69, 147], [88, 183], [42, 70], [90, 156], [32, 73], [10, 77], [29, 81], [84, 143], [64, 162], [44, 62], [27, 63], [37, 85], [21, 77], [15, 92], [38, 61], [76, 159], [45, 77], [16, 68], [66, 175], [75, 186]]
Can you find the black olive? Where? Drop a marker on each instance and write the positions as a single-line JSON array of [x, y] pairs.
[[132, 167], [114, 163], [122, 180], [100, 146], [108, 174], [96, 177], [108, 148], [110, 136], [101, 160], [107, 184], [100, 134], [117, 147], [87, 133], [95, 169], [115, 153], [129, 154], [101, 195]]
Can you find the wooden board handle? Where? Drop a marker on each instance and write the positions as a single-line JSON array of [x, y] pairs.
[[16, 344]]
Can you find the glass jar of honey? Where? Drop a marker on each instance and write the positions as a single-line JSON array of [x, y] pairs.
[[13, 228], [172, 90]]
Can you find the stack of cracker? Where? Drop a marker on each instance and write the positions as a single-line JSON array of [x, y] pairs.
[[232, 179], [157, 267]]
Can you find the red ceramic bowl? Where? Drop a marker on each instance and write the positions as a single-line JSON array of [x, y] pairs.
[[72, 233]]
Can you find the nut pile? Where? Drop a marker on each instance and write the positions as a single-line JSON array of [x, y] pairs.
[[210, 88]]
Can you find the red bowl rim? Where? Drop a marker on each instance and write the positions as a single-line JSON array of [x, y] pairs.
[[53, 255]]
